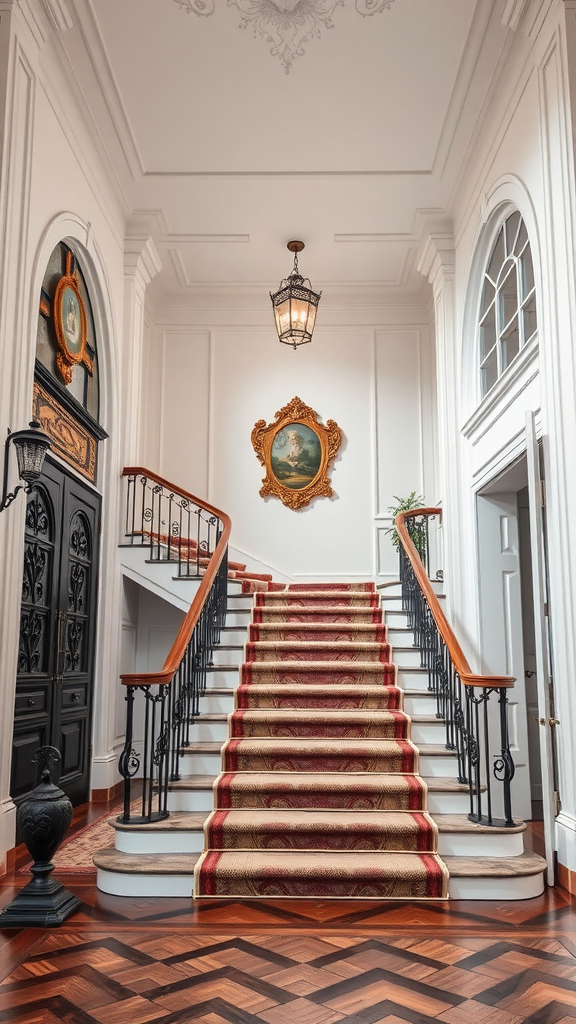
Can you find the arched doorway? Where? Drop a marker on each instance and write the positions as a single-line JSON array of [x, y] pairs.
[[55, 681]]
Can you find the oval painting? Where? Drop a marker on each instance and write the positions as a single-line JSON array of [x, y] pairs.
[[71, 320], [296, 456]]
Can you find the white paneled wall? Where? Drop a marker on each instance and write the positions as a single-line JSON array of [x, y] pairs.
[[212, 384]]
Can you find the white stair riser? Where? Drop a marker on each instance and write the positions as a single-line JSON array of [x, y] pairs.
[[419, 705], [160, 842], [238, 618], [456, 844], [406, 657], [446, 803], [209, 732], [216, 704], [452, 844], [234, 587], [428, 732], [412, 680], [221, 677], [142, 885], [519, 887], [234, 636], [218, 732], [210, 764], [200, 764], [391, 604], [199, 800], [399, 637], [394, 619], [225, 656], [438, 766], [196, 800], [240, 604], [119, 883]]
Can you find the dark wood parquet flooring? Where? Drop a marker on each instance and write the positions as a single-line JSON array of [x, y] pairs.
[[135, 961]]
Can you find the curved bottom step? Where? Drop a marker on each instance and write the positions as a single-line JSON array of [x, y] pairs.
[[296, 874], [153, 875]]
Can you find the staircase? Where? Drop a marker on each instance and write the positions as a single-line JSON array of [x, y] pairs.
[[159, 858]]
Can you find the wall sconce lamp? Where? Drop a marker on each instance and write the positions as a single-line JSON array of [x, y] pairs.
[[295, 305], [31, 446]]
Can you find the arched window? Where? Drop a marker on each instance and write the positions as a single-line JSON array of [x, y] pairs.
[[507, 317], [66, 380]]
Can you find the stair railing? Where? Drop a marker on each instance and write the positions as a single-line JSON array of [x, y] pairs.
[[174, 526], [463, 698]]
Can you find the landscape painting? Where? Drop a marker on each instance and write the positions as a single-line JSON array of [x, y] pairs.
[[297, 452], [296, 455]]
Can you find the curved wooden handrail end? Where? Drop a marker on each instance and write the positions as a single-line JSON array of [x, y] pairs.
[[459, 660]]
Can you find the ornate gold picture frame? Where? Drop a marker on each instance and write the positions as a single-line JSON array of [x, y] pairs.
[[70, 325], [297, 452]]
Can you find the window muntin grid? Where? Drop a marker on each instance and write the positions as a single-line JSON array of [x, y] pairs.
[[507, 319]]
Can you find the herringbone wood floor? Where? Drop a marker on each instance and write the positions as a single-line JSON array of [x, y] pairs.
[[134, 961]]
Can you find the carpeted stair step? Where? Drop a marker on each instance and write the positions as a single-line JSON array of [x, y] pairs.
[[392, 832], [322, 791], [319, 631], [327, 588], [319, 755], [309, 724], [320, 794], [319, 613], [319, 673], [256, 874], [317, 650], [325, 697], [315, 598]]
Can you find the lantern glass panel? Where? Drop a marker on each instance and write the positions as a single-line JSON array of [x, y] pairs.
[[30, 456]]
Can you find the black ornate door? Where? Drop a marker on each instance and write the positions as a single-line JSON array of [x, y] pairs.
[[57, 631]]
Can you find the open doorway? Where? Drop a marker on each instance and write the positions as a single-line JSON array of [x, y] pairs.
[[515, 628]]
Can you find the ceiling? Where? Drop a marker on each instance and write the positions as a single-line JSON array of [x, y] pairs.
[[226, 156]]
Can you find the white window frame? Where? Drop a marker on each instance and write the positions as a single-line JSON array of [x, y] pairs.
[[506, 322]]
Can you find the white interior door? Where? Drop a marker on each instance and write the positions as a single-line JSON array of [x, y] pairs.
[[542, 660], [501, 625]]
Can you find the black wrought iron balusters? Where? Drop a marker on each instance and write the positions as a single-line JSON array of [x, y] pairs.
[[476, 726], [161, 707], [172, 527]]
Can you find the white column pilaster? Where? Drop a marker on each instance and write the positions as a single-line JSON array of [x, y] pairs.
[[141, 264]]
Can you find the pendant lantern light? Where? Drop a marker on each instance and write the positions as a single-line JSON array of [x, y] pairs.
[[295, 305]]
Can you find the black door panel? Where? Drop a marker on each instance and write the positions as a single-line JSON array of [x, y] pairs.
[[57, 631]]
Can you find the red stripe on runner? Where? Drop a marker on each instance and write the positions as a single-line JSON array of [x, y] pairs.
[[435, 880], [207, 879], [416, 792]]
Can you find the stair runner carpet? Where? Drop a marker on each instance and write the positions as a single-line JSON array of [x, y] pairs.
[[320, 794]]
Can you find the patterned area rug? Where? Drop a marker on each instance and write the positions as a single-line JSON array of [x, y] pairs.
[[75, 855], [320, 794]]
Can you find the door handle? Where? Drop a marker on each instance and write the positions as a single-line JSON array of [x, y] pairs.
[[549, 721]]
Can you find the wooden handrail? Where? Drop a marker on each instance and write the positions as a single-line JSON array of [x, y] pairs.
[[459, 659], [176, 653]]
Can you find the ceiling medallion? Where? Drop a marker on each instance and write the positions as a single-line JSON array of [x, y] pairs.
[[286, 24]]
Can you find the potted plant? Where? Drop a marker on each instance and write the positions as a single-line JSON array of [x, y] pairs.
[[418, 535]]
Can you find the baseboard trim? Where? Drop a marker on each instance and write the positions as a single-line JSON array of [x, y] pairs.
[[567, 879], [103, 796]]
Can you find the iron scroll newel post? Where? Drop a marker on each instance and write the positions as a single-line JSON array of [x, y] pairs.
[[43, 818], [463, 698], [175, 527]]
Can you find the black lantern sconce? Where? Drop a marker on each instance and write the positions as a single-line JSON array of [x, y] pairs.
[[31, 446], [295, 305]]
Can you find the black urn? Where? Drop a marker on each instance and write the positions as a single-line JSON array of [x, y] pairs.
[[43, 820]]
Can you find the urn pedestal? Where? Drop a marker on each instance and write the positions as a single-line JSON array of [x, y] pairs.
[[43, 820]]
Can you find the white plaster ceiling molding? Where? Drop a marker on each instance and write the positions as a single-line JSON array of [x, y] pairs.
[[286, 24]]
